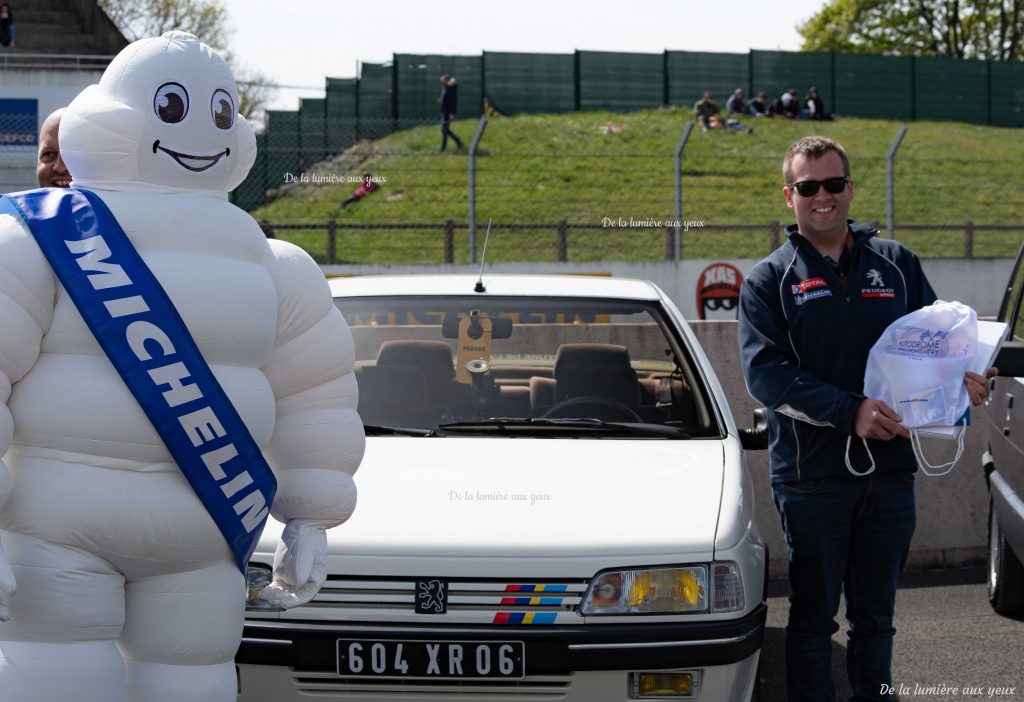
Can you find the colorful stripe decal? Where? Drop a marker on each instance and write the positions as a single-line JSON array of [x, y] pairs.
[[536, 588], [525, 618], [531, 601]]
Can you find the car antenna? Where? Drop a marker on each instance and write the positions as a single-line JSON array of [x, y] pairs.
[[483, 257]]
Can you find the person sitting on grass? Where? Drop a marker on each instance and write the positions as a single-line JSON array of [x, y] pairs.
[[706, 112], [367, 186]]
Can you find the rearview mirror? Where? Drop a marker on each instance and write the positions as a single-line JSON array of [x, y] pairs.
[[501, 327], [756, 437]]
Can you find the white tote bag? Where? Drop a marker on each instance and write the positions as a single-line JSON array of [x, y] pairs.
[[917, 367]]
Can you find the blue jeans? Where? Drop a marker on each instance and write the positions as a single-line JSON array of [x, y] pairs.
[[446, 131], [850, 536]]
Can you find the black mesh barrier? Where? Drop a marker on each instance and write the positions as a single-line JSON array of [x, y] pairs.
[[284, 142], [618, 81], [375, 86], [874, 86], [690, 73], [529, 82], [419, 85], [951, 89], [342, 132], [342, 98], [313, 130], [1007, 93], [251, 192], [774, 72], [342, 105]]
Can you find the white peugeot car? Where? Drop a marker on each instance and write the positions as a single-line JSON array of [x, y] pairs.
[[553, 505]]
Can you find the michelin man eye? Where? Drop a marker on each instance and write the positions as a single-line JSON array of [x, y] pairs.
[[171, 102], [222, 107]]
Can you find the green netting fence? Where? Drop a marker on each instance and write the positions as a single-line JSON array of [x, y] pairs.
[[620, 82], [690, 73], [403, 93], [418, 85], [537, 83]]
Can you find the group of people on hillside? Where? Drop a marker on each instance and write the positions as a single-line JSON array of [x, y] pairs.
[[787, 105]]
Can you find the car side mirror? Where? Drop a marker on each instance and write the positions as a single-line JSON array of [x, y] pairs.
[[756, 437], [1010, 360]]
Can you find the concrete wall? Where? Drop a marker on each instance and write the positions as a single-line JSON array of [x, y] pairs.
[[976, 282], [952, 511]]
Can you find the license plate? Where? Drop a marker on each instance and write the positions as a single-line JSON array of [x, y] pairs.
[[431, 660]]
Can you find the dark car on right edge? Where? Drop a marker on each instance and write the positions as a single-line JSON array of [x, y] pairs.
[[1003, 459]]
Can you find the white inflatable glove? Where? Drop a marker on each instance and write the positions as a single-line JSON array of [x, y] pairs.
[[7, 585], [300, 565]]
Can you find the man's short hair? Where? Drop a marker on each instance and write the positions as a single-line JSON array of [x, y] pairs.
[[813, 147]]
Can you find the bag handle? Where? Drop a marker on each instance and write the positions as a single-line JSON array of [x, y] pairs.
[[915, 442], [849, 466]]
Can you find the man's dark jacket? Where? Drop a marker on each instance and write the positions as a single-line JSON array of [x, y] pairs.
[[804, 342], [450, 99]]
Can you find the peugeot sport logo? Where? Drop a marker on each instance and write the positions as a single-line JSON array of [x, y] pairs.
[[875, 278], [431, 596]]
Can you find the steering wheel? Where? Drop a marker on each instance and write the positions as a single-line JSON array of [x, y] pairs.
[[592, 406]]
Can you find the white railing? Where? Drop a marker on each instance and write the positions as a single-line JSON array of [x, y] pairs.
[[76, 62]]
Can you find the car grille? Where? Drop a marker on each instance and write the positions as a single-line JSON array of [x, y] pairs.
[[538, 686], [477, 601]]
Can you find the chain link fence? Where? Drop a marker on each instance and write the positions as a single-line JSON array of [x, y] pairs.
[[596, 187], [603, 187]]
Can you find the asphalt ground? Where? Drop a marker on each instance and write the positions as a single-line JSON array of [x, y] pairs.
[[950, 644]]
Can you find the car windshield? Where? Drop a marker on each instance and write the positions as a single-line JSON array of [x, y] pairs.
[[524, 366]]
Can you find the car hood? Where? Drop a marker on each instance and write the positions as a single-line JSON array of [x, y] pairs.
[[452, 498]]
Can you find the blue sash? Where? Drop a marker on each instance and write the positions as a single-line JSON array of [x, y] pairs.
[[147, 342]]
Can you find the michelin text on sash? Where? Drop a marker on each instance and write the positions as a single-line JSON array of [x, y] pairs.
[[147, 341]]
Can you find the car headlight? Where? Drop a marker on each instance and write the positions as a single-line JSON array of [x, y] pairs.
[[257, 577], [670, 590], [648, 591]]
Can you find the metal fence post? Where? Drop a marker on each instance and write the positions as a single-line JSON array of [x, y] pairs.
[[969, 240], [677, 244], [332, 240], [890, 183], [563, 241], [776, 234], [449, 241], [481, 125], [670, 243]]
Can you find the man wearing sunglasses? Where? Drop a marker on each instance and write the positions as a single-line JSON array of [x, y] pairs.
[[842, 469]]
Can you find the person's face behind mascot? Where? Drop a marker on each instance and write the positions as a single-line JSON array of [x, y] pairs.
[[165, 113]]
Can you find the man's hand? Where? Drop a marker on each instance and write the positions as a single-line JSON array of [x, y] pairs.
[[300, 565], [977, 386], [877, 420], [7, 586]]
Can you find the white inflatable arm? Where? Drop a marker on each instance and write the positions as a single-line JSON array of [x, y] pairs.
[[318, 439], [27, 290]]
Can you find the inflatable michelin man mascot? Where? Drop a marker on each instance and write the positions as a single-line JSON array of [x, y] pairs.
[[144, 376]]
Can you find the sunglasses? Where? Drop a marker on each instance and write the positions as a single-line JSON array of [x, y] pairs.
[[809, 188], [725, 303]]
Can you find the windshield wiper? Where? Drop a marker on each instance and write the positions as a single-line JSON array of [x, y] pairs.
[[374, 430], [516, 425]]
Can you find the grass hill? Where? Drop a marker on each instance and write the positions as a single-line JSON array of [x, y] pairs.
[[585, 167]]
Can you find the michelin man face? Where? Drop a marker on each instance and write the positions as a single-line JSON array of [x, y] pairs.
[[164, 113], [171, 105]]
